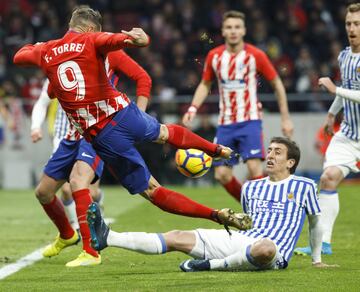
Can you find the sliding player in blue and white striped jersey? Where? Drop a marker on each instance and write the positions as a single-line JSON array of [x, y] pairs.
[[343, 153], [277, 205]]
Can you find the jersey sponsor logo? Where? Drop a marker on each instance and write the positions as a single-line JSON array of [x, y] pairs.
[[269, 206], [254, 151], [86, 155], [233, 84]]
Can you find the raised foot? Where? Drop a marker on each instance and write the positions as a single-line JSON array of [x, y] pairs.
[[99, 231], [228, 217]]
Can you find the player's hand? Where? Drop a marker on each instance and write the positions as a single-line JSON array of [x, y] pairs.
[[138, 37], [287, 127], [36, 135], [189, 116], [327, 84], [324, 266], [329, 124]]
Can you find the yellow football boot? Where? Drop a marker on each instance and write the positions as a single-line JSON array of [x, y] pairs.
[[59, 244], [84, 259]]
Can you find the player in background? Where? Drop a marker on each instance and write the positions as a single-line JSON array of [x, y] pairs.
[[236, 65], [117, 63], [277, 204], [107, 118], [343, 153]]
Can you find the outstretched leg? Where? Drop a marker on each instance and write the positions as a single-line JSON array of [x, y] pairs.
[[176, 203]]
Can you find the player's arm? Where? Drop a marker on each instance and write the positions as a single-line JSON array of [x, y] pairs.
[[39, 113], [107, 42], [201, 92], [350, 94], [334, 109], [265, 67], [125, 64], [315, 232], [315, 235], [280, 93], [28, 55]]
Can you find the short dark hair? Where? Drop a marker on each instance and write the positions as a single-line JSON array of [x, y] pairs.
[[233, 14], [293, 150], [83, 14], [354, 7]]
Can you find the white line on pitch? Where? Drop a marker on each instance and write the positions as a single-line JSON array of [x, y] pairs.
[[21, 263], [33, 257]]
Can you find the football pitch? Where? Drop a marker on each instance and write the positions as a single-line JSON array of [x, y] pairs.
[[24, 228]]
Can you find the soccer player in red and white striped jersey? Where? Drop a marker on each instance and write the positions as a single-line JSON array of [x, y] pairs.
[[236, 65], [75, 67]]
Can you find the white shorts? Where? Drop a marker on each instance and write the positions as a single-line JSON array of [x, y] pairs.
[[218, 244], [343, 153]]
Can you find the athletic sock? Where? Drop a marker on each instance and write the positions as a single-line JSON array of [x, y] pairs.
[[83, 200], [70, 210], [182, 138], [233, 187], [176, 203], [55, 211], [329, 205], [241, 260], [148, 243]]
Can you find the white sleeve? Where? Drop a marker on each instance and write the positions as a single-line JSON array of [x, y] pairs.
[[315, 234], [336, 106], [353, 95], [40, 107]]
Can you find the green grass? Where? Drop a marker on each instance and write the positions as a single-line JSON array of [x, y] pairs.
[[24, 227]]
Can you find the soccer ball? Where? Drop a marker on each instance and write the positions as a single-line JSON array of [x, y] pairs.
[[192, 162]]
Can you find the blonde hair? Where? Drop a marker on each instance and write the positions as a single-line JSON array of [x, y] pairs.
[[83, 15], [233, 14], [355, 7]]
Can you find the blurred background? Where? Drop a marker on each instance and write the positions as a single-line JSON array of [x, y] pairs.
[[302, 38]]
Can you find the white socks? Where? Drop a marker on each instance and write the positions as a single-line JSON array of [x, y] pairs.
[[70, 210], [242, 260], [148, 243], [329, 205]]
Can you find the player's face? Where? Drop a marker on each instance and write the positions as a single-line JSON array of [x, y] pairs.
[[352, 25], [233, 31], [277, 162]]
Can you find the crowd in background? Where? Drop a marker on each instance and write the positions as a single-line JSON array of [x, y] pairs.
[[302, 38]]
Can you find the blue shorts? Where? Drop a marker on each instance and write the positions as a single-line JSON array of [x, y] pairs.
[[115, 145], [246, 138], [63, 159]]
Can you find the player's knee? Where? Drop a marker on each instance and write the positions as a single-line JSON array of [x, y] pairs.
[[263, 251], [173, 239], [163, 135], [43, 195], [223, 176], [78, 183], [328, 179], [66, 192]]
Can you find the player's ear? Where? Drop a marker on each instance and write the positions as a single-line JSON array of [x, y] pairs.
[[290, 163]]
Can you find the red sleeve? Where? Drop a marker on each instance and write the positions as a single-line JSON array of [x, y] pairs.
[[264, 66], [28, 55], [50, 91], [208, 72], [106, 42], [120, 62]]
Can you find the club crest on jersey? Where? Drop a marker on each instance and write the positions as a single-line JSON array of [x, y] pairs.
[[290, 196]]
